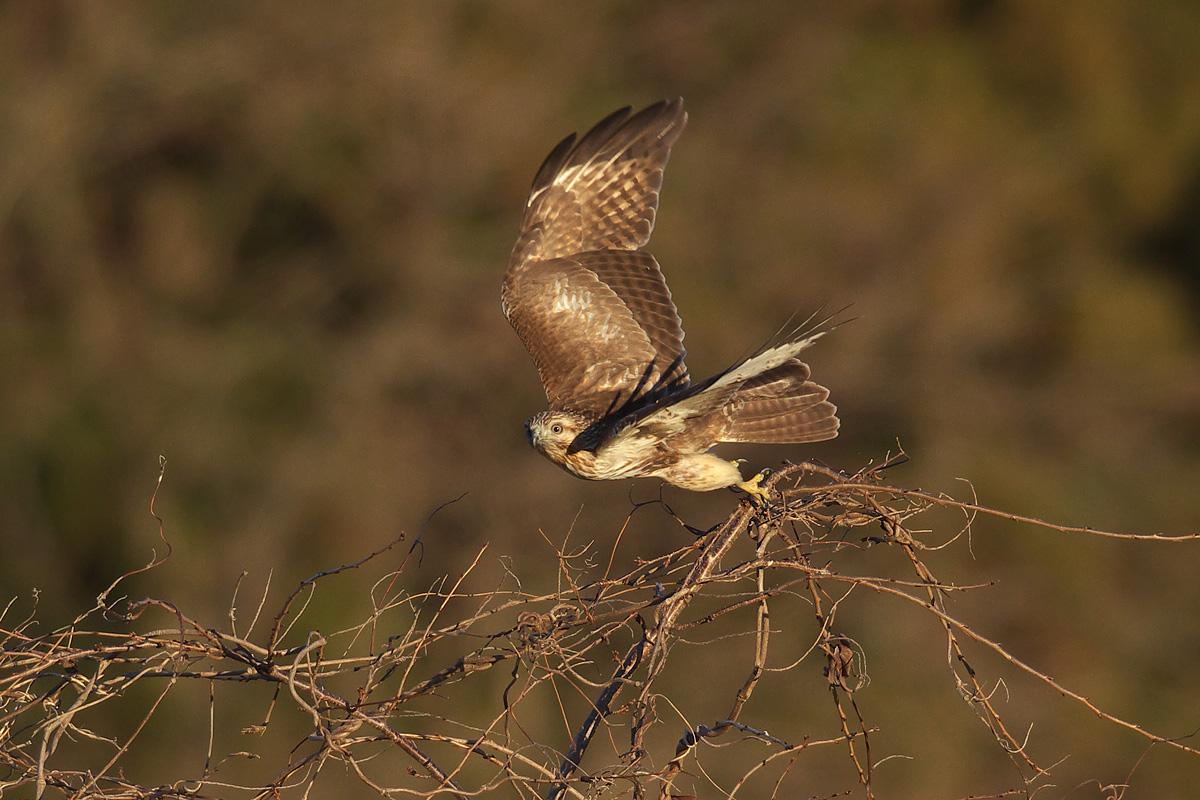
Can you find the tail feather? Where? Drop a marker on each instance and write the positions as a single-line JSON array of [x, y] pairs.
[[756, 367], [807, 422], [780, 406], [716, 391], [780, 381], [765, 399]]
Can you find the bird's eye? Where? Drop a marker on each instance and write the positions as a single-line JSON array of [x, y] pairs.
[[556, 428]]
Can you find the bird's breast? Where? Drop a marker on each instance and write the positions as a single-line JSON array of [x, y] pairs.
[[616, 459]]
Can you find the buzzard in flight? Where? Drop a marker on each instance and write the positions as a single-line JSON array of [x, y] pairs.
[[595, 313]]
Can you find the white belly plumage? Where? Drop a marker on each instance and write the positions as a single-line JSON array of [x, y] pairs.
[[622, 457], [641, 457]]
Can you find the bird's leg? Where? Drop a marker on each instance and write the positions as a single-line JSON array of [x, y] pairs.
[[754, 488]]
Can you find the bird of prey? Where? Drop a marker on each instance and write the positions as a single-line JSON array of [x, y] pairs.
[[592, 308]]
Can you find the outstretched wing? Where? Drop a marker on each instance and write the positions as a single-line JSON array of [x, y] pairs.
[[592, 309]]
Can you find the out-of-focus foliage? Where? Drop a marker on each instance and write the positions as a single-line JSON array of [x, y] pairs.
[[265, 240]]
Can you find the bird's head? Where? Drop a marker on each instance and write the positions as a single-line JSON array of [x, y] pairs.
[[551, 432]]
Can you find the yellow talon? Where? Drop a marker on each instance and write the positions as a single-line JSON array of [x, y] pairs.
[[753, 487]]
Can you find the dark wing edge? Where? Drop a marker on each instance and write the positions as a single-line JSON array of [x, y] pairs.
[[765, 399]]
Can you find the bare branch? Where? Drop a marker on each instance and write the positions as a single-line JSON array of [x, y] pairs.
[[414, 676]]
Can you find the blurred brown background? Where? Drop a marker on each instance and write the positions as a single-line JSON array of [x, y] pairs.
[[266, 240]]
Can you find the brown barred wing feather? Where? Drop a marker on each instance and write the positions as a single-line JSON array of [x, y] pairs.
[[592, 309]]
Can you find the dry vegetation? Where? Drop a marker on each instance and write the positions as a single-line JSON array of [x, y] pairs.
[[392, 702]]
